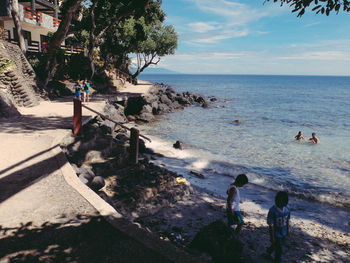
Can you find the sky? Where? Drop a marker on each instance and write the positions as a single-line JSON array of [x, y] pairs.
[[253, 37]]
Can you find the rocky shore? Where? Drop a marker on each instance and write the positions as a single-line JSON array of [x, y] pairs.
[[164, 203]]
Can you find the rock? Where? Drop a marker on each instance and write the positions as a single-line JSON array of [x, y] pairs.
[[134, 105], [83, 180], [122, 137], [142, 146], [199, 175], [205, 104], [182, 100], [94, 157], [178, 145], [116, 114], [163, 108], [218, 241], [150, 98], [107, 127], [146, 117], [154, 106], [86, 173], [97, 183], [198, 98], [164, 99], [131, 118], [213, 99], [147, 108], [10, 74], [7, 107]]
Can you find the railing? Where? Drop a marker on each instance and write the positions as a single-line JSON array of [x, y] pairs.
[[41, 47], [32, 14], [56, 22], [134, 133]]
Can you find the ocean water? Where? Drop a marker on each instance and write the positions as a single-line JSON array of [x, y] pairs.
[[271, 109]]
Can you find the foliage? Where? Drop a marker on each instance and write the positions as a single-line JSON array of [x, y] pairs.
[[6, 65], [319, 6], [78, 66], [145, 36]]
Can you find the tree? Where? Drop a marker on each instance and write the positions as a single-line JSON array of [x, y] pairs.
[[320, 6], [161, 40], [70, 7], [117, 44], [105, 15], [18, 26]]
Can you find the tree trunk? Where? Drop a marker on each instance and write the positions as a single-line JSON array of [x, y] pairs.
[[18, 26], [148, 62], [58, 38]]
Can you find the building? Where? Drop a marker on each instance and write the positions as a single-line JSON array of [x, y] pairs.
[[38, 18]]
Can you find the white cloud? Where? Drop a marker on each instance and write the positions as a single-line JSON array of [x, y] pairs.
[[202, 27], [330, 55], [232, 21]]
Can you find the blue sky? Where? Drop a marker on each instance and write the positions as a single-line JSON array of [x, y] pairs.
[[250, 37]]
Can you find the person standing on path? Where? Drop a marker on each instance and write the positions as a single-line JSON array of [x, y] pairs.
[[86, 85], [77, 89]]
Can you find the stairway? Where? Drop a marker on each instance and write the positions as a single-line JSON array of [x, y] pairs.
[[20, 81]]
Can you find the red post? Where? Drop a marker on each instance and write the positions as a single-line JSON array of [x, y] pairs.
[[134, 145], [77, 121]]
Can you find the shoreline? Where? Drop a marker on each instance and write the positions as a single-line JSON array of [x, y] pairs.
[[316, 236], [312, 222]]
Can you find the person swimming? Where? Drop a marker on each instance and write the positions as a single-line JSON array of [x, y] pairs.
[[314, 139], [299, 136]]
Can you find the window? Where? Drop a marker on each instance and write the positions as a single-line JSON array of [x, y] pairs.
[[26, 34]]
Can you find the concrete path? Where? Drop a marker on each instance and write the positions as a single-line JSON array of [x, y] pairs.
[[46, 214]]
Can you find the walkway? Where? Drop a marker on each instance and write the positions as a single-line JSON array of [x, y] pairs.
[[44, 212]]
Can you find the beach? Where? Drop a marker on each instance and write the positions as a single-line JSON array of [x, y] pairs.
[[150, 196], [319, 231]]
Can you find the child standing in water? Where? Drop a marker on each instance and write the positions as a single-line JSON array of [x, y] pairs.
[[314, 139], [278, 221], [234, 216], [299, 136]]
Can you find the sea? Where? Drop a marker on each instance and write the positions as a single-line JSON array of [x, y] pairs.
[[270, 111]]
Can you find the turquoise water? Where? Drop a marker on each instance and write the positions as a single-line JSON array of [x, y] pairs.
[[272, 109]]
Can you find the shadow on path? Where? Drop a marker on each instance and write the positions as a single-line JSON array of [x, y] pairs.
[[19, 180], [79, 240]]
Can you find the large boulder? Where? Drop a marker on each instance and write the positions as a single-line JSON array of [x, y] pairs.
[[218, 241], [146, 117], [147, 109], [134, 105], [7, 108], [164, 99], [115, 112], [163, 108]]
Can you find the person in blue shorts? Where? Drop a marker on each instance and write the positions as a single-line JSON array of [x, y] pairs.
[[86, 85], [234, 216], [77, 89], [278, 221]]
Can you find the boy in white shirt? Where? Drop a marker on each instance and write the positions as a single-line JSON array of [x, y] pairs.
[[234, 216]]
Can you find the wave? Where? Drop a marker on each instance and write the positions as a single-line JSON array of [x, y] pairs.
[[218, 174]]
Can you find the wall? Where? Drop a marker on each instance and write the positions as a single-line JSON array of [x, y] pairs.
[[35, 30]]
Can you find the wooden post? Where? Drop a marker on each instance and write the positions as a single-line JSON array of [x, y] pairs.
[[77, 120], [134, 145]]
